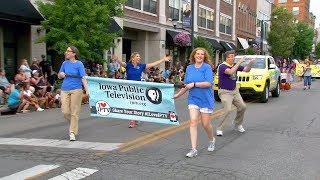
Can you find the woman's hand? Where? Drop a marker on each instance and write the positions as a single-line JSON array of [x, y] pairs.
[[61, 75], [190, 85]]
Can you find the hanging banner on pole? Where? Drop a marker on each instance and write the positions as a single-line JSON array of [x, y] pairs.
[[186, 13], [132, 100]]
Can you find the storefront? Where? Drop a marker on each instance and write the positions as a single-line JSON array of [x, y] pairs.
[[16, 34]]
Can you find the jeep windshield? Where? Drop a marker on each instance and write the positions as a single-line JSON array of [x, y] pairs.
[[259, 62]]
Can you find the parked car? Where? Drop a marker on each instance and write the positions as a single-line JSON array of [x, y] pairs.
[[263, 78]]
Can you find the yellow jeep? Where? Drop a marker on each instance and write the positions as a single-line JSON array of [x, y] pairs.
[[264, 77]]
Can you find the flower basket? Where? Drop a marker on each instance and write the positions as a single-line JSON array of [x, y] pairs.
[[182, 39]]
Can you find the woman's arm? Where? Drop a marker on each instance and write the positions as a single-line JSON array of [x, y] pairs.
[[85, 85], [165, 59], [180, 93]]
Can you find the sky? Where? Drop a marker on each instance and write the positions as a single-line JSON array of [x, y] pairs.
[[315, 9]]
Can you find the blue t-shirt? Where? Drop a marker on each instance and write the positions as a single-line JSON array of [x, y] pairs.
[[134, 73], [14, 98], [74, 73], [202, 97]]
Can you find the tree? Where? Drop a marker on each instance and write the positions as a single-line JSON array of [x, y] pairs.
[[202, 42], [82, 23], [318, 51], [282, 33], [303, 41]]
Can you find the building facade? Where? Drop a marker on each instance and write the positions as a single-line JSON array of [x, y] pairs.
[[150, 26], [18, 35], [264, 9], [246, 22]]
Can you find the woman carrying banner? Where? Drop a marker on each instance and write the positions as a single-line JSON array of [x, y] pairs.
[[134, 71], [72, 72], [198, 80]]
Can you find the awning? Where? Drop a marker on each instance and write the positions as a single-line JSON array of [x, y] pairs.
[[243, 42], [114, 27], [170, 35], [227, 46], [215, 44], [20, 11]]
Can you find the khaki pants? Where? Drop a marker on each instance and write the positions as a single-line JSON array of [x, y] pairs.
[[228, 98], [70, 107]]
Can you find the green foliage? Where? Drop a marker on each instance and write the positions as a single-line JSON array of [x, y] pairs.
[[202, 42], [82, 23], [303, 41], [282, 33], [250, 51], [318, 51]]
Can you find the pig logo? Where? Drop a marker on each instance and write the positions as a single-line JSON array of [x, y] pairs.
[[173, 117], [103, 108], [154, 95]]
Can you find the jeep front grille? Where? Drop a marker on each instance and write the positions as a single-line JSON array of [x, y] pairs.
[[243, 78]]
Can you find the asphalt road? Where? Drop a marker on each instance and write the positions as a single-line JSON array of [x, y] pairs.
[[281, 142]]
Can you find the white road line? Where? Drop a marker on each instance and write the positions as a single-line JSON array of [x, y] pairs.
[[30, 172], [60, 144], [78, 173]]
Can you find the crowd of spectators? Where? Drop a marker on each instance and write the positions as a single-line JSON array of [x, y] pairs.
[[36, 87]]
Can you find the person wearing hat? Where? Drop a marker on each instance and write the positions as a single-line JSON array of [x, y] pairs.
[[72, 72]]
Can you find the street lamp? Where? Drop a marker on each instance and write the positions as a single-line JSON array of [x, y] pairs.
[[174, 23]]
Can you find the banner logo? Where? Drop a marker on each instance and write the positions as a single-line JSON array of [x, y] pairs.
[[154, 95], [103, 108]]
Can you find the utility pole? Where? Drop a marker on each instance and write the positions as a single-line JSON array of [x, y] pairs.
[[192, 24], [262, 37]]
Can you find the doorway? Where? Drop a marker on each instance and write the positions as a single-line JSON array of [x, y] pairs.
[[126, 49]]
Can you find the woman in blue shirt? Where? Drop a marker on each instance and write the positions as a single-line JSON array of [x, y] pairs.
[[135, 68], [198, 80], [72, 72]]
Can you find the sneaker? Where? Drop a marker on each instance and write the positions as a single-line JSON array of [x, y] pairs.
[[72, 137], [192, 153], [219, 133], [239, 128], [40, 109], [132, 124], [211, 146]]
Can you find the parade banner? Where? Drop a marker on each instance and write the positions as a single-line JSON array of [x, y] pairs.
[[186, 13], [315, 70], [132, 100]]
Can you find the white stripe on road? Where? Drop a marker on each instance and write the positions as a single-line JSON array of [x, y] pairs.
[[75, 174], [60, 144], [40, 169]]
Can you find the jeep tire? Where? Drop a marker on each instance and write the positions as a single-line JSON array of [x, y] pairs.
[[276, 92], [265, 94]]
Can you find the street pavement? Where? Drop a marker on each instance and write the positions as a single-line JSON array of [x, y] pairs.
[[281, 142]]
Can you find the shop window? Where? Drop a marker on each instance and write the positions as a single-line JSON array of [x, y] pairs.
[[144, 5], [174, 9], [206, 18], [225, 24]]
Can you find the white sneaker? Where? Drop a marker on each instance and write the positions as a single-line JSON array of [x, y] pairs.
[[40, 109], [240, 128], [72, 137], [211, 146], [192, 153], [219, 133]]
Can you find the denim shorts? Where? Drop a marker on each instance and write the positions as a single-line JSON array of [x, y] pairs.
[[203, 110]]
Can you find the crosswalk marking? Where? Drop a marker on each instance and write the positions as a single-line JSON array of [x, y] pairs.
[[60, 144], [40, 169], [75, 174]]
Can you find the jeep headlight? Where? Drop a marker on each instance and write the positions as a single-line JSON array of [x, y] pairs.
[[257, 77]]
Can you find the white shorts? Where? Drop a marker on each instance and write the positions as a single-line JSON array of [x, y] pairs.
[[203, 110]]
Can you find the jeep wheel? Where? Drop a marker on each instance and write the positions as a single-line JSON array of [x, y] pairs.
[[276, 92], [216, 96], [265, 94]]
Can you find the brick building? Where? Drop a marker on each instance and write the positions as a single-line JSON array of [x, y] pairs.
[[299, 8], [150, 26], [246, 22]]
